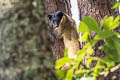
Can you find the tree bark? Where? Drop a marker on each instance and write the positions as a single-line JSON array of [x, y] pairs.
[[52, 6], [98, 9]]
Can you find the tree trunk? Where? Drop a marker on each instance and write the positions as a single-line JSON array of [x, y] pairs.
[[25, 44], [98, 9], [52, 6]]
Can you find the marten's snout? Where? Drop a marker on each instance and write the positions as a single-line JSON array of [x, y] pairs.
[[55, 18]]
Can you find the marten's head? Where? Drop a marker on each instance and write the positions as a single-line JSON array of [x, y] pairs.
[[57, 18], [57, 21]]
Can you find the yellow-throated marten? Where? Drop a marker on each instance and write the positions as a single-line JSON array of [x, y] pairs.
[[64, 27]]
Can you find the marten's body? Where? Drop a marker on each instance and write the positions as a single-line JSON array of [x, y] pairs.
[[65, 27]]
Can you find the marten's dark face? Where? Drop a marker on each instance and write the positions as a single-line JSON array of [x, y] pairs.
[[57, 21], [55, 18]]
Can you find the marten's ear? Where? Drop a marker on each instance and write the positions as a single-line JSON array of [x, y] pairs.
[[60, 14], [49, 16], [63, 20]]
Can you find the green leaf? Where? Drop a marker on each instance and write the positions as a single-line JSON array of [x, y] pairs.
[[110, 63], [113, 48], [83, 27], [91, 23], [116, 23], [103, 35], [79, 72], [80, 55], [61, 62], [102, 21], [117, 47], [61, 73], [66, 52], [90, 78], [108, 22], [116, 5], [111, 23], [69, 74], [86, 36], [90, 51]]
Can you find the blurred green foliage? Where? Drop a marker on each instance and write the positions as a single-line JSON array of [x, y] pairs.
[[116, 5], [83, 70], [25, 45]]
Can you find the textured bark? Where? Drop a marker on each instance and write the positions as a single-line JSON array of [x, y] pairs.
[[98, 9], [52, 6], [57, 5]]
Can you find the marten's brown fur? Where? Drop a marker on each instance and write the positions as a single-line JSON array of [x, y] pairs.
[[67, 30]]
